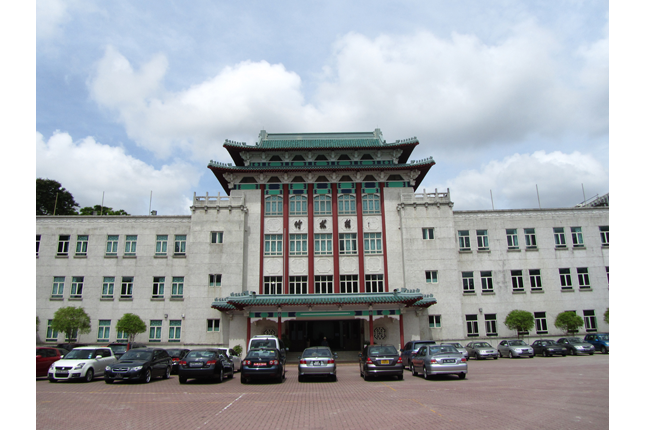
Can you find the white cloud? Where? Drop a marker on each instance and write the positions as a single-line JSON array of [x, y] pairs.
[[88, 168], [558, 176], [51, 15]]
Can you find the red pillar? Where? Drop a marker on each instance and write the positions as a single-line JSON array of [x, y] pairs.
[[401, 330], [279, 327], [371, 329], [359, 229], [248, 330]]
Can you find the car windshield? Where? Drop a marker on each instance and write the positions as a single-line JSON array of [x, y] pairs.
[[263, 353], [481, 345], [455, 344], [119, 348], [604, 337], [516, 343], [262, 343], [575, 340], [548, 342], [134, 354], [81, 354], [443, 348], [174, 352], [316, 352], [199, 355], [381, 350]]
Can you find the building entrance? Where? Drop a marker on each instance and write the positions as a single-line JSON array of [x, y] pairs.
[[342, 335]]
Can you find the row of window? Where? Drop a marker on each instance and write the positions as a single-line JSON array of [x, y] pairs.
[[347, 244], [323, 284], [517, 279], [322, 204], [490, 322], [154, 333], [530, 241]]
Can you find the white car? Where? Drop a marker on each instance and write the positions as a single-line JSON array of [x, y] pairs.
[[82, 363]]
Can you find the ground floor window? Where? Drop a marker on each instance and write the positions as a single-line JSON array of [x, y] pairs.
[[374, 284], [215, 280], [52, 335], [272, 285], [104, 331], [174, 331], [297, 285], [590, 320], [434, 321], [121, 336], [348, 284], [212, 325], [155, 331], [471, 325], [491, 324], [324, 284], [540, 322]]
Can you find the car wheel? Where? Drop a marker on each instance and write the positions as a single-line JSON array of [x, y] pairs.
[[182, 379], [167, 374], [230, 375], [148, 376], [425, 373], [333, 378], [592, 352], [400, 376], [109, 381], [603, 350], [462, 376], [494, 358], [414, 371], [574, 352], [89, 375], [410, 366], [52, 380], [479, 357], [544, 354], [301, 378], [220, 377]]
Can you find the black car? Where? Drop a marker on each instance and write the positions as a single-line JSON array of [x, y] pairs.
[[119, 348], [263, 364], [410, 350], [380, 360], [177, 355], [207, 363], [140, 364], [576, 346], [548, 347]]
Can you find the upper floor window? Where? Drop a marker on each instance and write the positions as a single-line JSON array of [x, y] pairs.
[[346, 204], [81, 244], [322, 204], [158, 287], [518, 282], [371, 204], [558, 236], [77, 287], [180, 244], [217, 237], [583, 277], [536, 280], [464, 240], [432, 276], [297, 244], [323, 284], [298, 204], [272, 244], [576, 237], [565, 279], [511, 238], [482, 240], [529, 238], [487, 280], [162, 244], [468, 282], [215, 280], [58, 286], [112, 245], [604, 235], [127, 283], [297, 285], [348, 284], [108, 287], [37, 244], [130, 245], [427, 233], [177, 286], [273, 206], [372, 243], [323, 244], [348, 244], [374, 284], [63, 244]]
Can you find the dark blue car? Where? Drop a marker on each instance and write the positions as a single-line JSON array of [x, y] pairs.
[[600, 341]]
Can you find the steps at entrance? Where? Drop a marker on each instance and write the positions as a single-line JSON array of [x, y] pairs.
[[343, 357]]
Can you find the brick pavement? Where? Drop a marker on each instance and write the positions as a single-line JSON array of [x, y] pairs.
[[539, 393]]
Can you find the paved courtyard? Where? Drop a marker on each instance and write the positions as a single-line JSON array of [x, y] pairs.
[[540, 393]]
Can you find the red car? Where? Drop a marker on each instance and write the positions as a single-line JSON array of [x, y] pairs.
[[44, 358]]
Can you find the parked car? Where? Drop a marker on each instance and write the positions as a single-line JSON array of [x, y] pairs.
[[548, 348], [141, 364], [236, 359], [515, 348], [269, 341], [45, 357], [82, 363], [380, 360], [177, 354], [317, 361], [205, 363], [63, 352], [265, 363], [439, 360], [600, 341], [481, 350], [70, 346], [576, 346], [119, 348], [459, 347], [410, 350]]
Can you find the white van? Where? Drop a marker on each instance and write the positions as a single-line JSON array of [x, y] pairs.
[[268, 341]]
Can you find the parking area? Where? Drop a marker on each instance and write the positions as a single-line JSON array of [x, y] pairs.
[[540, 393]]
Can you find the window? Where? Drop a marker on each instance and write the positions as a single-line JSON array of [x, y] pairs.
[[215, 280], [58, 287], [272, 285], [536, 281], [126, 287], [348, 244], [273, 206], [482, 240], [529, 238], [174, 331], [428, 233], [576, 237], [431, 276], [37, 244], [272, 244], [583, 278], [212, 325], [322, 204], [63, 244], [104, 331], [558, 236], [487, 281], [162, 244], [540, 322], [121, 336], [180, 244], [511, 238], [464, 240], [297, 244], [108, 287], [155, 331], [298, 204], [77, 287], [348, 284], [491, 324], [372, 243], [565, 279], [217, 237], [324, 284], [607, 270], [130, 245], [112, 245], [52, 335], [518, 282], [297, 285], [81, 245], [323, 244], [590, 320], [604, 235], [177, 287], [346, 204], [374, 284], [471, 325], [158, 287], [371, 204], [434, 321], [468, 282]]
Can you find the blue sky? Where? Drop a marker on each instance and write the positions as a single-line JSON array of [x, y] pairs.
[[134, 97]]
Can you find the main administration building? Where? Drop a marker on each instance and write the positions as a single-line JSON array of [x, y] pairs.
[[324, 235]]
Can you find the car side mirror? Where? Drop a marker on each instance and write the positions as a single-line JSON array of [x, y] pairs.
[[99, 356], [39, 356]]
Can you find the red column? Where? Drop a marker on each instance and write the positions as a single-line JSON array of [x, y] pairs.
[[279, 326], [371, 329], [285, 241], [248, 330], [359, 234], [385, 277], [401, 330], [336, 226], [262, 205], [310, 236]]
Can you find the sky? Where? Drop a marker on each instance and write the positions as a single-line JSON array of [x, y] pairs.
[[510, 98]]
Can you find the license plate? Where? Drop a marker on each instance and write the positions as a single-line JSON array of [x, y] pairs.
[[317, 363], [193, 364], [448, 361], [385, 361], [117, 376], [62, 375], [259, 364]]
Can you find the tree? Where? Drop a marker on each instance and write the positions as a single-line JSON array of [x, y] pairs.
[[569, 322], [87, 210], [71, 321], [51, 198], [607, 316], [520, 321], [131, 325]]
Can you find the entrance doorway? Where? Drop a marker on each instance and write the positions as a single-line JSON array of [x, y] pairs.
[[342, 335]]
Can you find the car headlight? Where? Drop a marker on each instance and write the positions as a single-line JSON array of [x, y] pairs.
[[108, 368], [79, 366], [579, 347], [136, 368]]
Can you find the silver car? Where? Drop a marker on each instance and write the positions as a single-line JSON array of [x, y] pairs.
[[576, 346], [481, 350], [317, 361], [460, 348], [515, 348], [439, 360]]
